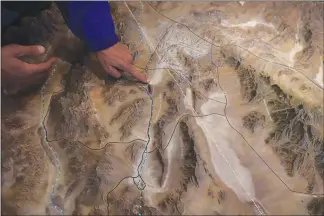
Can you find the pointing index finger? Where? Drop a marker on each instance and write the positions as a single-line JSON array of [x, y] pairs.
[[130, 69]]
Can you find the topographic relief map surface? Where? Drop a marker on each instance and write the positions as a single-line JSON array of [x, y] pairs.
[[231, 123]]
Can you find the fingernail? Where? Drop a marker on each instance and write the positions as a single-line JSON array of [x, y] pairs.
[[41, 49]]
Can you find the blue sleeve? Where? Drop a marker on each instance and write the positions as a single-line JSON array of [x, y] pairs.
[[90, 21]]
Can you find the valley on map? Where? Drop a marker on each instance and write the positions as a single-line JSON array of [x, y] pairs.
[[231, 122]]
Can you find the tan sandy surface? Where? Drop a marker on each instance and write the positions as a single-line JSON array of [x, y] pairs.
[[234, 124]]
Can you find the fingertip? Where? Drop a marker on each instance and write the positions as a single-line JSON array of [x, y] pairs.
[[53, 59], [137, 75], [145, 80], [117, 76], [142, 78], [40, 49], [48, 64]]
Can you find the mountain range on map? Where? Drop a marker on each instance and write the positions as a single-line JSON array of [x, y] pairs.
[[230, 123]]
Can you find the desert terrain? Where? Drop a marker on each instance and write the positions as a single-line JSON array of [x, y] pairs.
[[231, 122]]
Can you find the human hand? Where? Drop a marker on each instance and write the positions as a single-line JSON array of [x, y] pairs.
[[119, 56], [17, 74]]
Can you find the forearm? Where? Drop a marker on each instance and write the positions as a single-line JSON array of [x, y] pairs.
[[91, 22]]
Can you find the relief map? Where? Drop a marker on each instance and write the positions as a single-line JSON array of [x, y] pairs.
[[231, 122]]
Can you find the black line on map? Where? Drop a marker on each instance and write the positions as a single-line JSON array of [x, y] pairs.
[[234, 45], [46, 132]]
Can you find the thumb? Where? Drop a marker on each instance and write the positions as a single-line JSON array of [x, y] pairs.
[[28, 50]]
